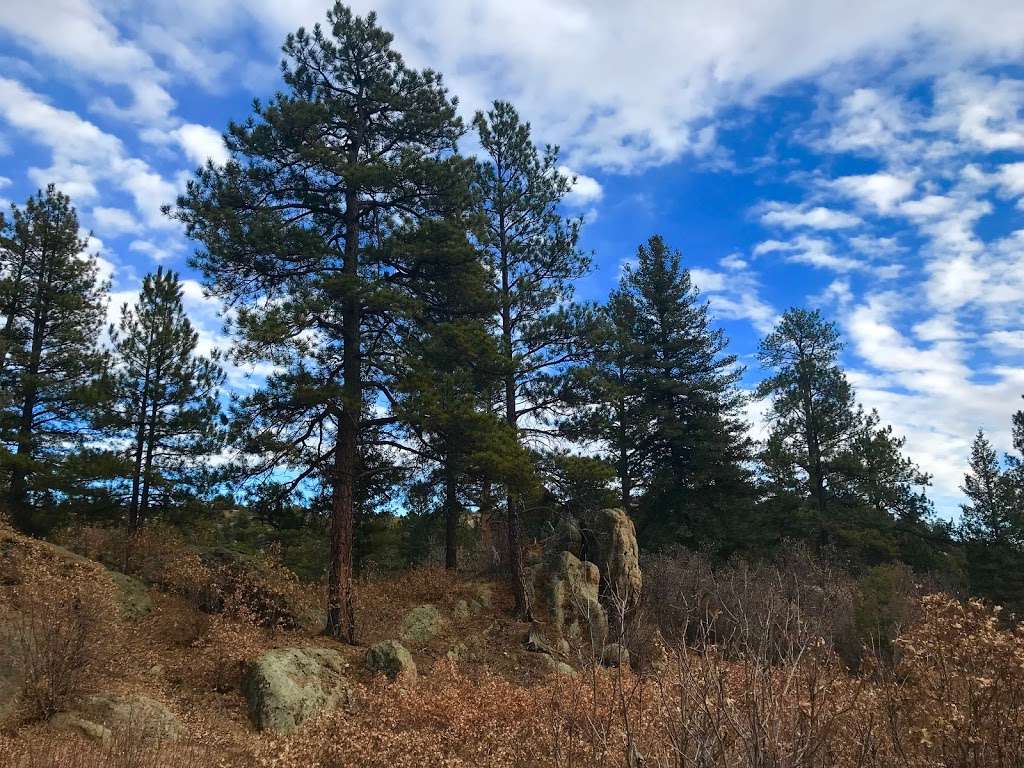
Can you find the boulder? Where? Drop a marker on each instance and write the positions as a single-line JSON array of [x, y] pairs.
[[100, 716], [482, 593], [615, 655], [392, 659], [576, 613], [422, 624], [288, 686]]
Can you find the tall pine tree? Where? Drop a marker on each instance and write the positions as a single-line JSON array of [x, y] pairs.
[[165, 398], [690, 449], [532, 253], [290, 229], [54, 306]]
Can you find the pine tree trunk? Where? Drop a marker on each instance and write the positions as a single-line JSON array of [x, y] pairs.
[[451, 516], [517, 571], [18, 492], [340, 610], [147, 468]]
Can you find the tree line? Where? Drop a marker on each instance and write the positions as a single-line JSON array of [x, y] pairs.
[[414, 311]]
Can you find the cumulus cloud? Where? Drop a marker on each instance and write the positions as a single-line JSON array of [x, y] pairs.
[[790, 216], [82, 154]]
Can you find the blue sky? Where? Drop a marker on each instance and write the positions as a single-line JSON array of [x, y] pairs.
[[867, 159]]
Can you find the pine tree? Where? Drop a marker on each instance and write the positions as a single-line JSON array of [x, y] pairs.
[[290, 230], [812, 407], [533, 257], [452, 367], [165, 397], [991, 513], [608, 398], [54, 307], [833, 470], [690, 441]]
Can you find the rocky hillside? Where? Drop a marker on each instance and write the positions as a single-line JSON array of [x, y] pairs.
[[213, 659]]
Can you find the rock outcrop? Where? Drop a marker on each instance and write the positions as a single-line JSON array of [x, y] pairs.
[[611, 543], [287, 686], [577, 615], [392, 659]]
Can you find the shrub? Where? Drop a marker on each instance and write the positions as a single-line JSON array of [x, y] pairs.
[[59, 618]]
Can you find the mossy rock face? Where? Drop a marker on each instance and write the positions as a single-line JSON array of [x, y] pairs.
[[557, 667], [422, 624], [132, 598], [392, 659], [286, 687]]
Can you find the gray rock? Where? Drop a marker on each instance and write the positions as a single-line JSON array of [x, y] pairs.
[[145, 717], [576, 613], [422, 624], [132, 598], [288, 686], [557, 666], [615, 655], [392, 659]]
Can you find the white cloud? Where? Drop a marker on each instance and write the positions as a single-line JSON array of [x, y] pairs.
[[880, 190], [114, 221], [77, 33], [202, 143], [83, 155], [811, 251], [789, 216], [586, 190]]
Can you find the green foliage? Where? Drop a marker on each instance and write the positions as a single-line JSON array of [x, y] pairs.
[[52, 305], [679, 414], [165, 403], [832, 472]]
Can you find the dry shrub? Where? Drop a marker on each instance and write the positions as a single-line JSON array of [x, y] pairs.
[[257, 589], [774, 606], [59, 624], [127, 748], [956, 697], [454, 721]]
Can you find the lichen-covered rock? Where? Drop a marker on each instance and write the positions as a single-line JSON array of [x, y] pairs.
[[67, 721], [422, 624], [612, 545], [392, 659], [576, 613], [132, 598], [145, 718], [288, 686], [558, 667], [615, 655]]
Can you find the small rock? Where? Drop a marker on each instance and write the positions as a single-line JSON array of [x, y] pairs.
[[287, 686], [461, 611], [615, 655], [392, 659], [422, 624], [557, 666]]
